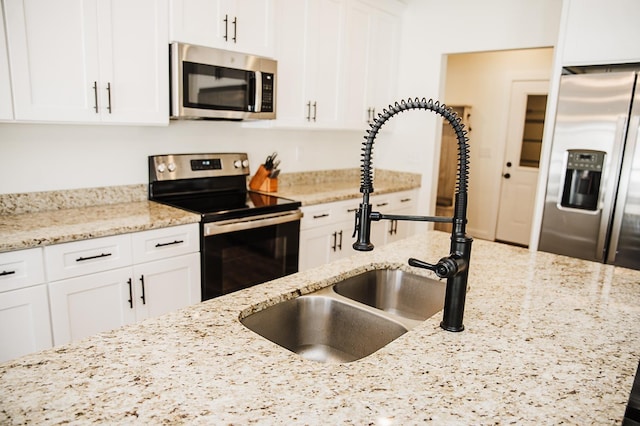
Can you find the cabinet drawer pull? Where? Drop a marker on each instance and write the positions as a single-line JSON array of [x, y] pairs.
[[3, 273], [319, 216], [340, 243], [335, 238], [226, 27], [82, 259], [405, 200], [309, 111], [130, 294], [352, 210], [382, 204], [169, 244], [144, 301]]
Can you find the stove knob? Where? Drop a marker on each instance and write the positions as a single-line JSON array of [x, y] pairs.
[[161, 167], [237, 164], [245, 163], [171, 167]]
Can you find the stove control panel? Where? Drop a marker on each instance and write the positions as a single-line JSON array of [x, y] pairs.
[[190, 166]]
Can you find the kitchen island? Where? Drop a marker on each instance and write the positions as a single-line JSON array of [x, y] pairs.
[[548, 340]]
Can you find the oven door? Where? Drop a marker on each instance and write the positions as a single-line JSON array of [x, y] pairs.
[[240, 253]]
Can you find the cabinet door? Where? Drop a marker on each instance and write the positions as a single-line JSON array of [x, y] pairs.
[[6, 106], [310, 38], [54, 59], [371, 62], [167, 285], [134, 58], [325, 244], [239, 25], [405, 203], [86, 305], [195, 22], [316, 247], [24, 322], [250, 26]]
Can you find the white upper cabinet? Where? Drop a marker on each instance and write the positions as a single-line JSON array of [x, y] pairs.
[[238, 25], [89, 61], [598, 32], [337, 61], [310, 59], [372, 48], [6, 107]]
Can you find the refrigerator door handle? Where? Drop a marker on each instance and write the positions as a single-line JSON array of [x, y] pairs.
[[610, 191], [623, 186]]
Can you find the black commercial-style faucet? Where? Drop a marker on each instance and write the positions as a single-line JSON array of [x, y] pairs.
[[455, 267]]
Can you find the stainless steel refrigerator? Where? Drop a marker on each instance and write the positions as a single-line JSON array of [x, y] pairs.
[[592, 203]]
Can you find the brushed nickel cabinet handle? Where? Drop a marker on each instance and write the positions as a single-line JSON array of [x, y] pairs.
[[95, 96], [109, 97]]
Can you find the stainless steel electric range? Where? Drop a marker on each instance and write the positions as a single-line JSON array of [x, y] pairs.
[[246, 237]]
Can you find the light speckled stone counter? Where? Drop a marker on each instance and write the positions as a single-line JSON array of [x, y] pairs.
[[548, 340], [335, 185], [51, 217], [43, 228]]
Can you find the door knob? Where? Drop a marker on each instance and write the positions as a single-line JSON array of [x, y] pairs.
[[506, 175]]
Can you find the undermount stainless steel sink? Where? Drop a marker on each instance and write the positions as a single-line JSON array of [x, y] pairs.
[[324, 329], [395, 291], [351, 319]]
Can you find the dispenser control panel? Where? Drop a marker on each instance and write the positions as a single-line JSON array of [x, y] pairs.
[[585, 160]]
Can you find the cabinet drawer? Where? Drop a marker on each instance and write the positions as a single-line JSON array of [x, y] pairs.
[[87, 256], [324, 214], [315, 216], [21, 268], [166, 242]]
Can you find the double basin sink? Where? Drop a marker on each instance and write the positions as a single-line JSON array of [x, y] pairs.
[[352, 318]]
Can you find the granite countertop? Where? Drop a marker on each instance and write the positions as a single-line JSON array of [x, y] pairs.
[[37, 219], [336, 185], [43, 228], [548, 340]]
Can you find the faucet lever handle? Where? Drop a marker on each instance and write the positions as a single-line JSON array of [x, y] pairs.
[[445, 268]]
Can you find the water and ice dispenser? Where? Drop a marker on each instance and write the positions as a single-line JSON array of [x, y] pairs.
[[583, 173]]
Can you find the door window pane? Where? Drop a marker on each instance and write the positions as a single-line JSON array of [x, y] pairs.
[[532, 135]]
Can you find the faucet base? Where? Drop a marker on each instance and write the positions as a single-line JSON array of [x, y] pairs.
[[451, 328]]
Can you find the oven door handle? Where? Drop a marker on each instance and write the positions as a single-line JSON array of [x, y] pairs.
[[252, 222]]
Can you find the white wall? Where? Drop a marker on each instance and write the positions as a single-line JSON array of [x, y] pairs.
[[42, 157], [433, 29]]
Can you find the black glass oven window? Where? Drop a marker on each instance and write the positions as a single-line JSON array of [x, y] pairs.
[[215, 87], [238, 260]]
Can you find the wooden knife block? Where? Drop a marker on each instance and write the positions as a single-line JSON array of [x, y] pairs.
[[262, 182]]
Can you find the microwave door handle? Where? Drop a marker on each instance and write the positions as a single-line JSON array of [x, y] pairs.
[[257, 84]]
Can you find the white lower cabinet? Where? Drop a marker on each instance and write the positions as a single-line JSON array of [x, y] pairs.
[[86, 305], [108, 297], [325, 244], [24, 322], [166, 285], [326, 230], [24, 306], [399, 203]]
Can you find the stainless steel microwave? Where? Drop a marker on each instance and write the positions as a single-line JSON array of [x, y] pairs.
[[220, 84]]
